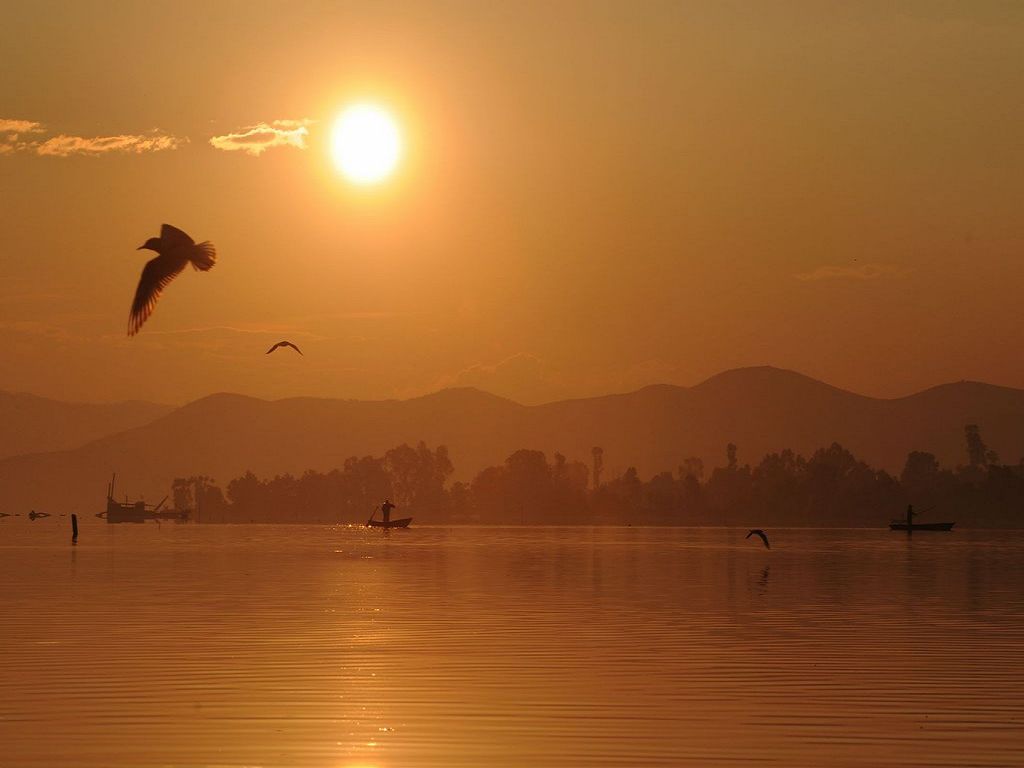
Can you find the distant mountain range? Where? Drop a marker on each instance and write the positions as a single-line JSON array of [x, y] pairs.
[[30, 424], [655, 428]]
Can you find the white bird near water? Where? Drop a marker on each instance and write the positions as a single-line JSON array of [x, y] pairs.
[[174, 250]]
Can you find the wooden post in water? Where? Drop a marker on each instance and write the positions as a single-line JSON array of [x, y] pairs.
[[74, 528]]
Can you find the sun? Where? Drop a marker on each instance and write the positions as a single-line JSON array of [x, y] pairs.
[[366, 144]]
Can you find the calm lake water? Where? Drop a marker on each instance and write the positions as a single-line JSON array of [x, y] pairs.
[[350, 648]]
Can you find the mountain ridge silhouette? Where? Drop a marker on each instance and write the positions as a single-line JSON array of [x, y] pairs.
[[653, 428]]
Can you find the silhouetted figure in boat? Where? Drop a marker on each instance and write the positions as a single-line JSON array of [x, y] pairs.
[[762, 534], [910, 515], [284, 344], [174, 250], [385, 509]]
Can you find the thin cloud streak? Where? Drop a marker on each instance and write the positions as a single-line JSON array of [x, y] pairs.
[[256, 139], [64, 146], [18, 127], [12, 139], [12, 130], [862, 272]]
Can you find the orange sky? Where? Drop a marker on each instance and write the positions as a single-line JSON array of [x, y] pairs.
[[594, 196]]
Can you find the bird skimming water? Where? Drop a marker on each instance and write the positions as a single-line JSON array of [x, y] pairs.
[[174, 250], [284, 344], [762, 534]]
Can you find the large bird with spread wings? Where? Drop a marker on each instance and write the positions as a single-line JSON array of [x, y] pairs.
[[174, 250]]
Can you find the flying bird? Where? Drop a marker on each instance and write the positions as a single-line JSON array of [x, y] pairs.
[[284, 344], [762, 534], [174, 250]]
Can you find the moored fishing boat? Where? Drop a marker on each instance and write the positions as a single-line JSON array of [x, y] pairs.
[[136, 511]]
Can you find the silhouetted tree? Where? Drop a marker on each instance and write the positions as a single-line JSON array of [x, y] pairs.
[[181, 494], [728, 489], [692, 467], [978, 454], [598, 456], [418, 476]]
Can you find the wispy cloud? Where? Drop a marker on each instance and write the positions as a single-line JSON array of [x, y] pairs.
[[859, 272], [18, 127], [64, 145], [11, 132], [14, 138], [256, 139]]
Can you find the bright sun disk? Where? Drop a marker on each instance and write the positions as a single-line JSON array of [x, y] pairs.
[[365, 144]]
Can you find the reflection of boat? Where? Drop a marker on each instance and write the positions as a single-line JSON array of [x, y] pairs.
[[902, 526], [402, 523], [136, 511]]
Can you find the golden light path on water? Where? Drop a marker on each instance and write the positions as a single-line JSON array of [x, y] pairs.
[[337, 646]]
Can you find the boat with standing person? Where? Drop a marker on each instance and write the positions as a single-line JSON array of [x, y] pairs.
[[910, 526], [387, 522]]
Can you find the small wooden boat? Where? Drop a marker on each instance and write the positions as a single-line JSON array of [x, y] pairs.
[[907, 524], [401, 523], [900, 526]]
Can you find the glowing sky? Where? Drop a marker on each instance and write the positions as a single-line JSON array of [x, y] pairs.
[[592, 196]]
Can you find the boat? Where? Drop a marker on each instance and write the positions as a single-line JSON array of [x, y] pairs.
[[902, 526], [400, 523], [910, 526], [136, 511]]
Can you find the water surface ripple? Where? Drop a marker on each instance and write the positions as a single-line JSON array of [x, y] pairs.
[[351, 648]]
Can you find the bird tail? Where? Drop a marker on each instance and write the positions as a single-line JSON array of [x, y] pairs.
[[204, 256]]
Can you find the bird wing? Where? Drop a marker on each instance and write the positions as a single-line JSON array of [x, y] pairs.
[[275, 347], [749, 535], [203, 256], [172, 237], [294, 347], [157, 273]]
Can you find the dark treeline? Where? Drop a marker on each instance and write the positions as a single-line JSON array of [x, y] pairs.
[[830, 488]]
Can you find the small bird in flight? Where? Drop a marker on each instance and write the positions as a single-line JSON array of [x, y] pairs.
[[762, 534], [284, 344], [174, 250]]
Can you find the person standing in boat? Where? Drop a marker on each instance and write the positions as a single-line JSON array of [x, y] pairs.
[[386, 508]]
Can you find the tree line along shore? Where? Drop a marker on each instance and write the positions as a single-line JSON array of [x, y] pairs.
[[831, 487]]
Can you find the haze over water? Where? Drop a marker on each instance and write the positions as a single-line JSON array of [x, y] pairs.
[[339, 646]]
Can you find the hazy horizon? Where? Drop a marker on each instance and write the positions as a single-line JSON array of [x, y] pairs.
[[527, 402]]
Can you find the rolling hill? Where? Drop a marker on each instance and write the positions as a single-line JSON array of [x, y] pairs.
[[30, 424], [654, 429]]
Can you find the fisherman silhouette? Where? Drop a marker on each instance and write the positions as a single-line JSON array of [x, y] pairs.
[[385, 509]]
